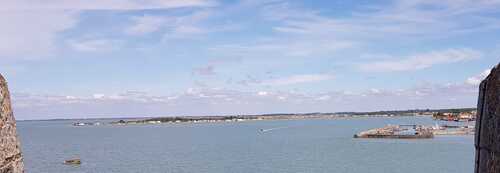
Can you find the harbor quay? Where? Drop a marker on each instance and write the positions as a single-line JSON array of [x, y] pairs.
[[413, 131]]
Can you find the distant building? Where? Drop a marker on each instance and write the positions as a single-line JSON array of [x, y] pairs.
[[455, 116]]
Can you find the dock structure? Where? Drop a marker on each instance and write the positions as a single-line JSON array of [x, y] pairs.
[[397, 132], [453, 130]]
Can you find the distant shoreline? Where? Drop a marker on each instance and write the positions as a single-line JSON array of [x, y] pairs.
[[240, 118], [411, 112], [220, 119]]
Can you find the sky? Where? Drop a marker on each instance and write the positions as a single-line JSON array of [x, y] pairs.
[[135, 58]]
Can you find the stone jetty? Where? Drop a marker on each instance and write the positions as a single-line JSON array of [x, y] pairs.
[[397, 132]]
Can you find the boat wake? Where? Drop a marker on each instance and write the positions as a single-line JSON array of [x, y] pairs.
[[271, 129]]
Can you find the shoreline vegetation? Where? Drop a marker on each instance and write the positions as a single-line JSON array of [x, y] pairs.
[[288, 116], [404, 131]]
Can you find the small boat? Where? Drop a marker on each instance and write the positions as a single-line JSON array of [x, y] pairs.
[[86, 124], [276, 128], [79, 124]]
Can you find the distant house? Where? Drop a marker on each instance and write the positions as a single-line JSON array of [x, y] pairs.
[[455, 116], [467, 115]]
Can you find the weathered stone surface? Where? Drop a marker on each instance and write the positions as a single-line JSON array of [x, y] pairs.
[[487, 139], [11, 160]]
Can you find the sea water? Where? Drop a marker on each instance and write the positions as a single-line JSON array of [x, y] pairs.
[[240, 147]]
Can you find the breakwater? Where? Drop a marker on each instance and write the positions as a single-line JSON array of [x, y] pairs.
[[397, 132], [415, 131]]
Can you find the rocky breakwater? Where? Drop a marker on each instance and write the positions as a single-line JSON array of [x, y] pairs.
[[11, 160], [398, 132], [487, 139]]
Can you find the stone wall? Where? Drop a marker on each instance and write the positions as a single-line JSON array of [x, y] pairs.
[[487, 139], [11, 160]]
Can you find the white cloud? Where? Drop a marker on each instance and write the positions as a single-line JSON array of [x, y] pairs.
[[95, 45], [145, 24], [208, 70], [405, 18], [183, 30], [98, 96], [71, 97], [172, 26], [188, 25], [219, 101], [302, 32], [476, 80], [32, 34], [375, 91], [262, 93], [324, 97], [422, 61], [101, 4], [289, 47], [30, 29], [297, 79]]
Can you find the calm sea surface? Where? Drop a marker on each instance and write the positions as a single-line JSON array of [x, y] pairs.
[[239, 147]]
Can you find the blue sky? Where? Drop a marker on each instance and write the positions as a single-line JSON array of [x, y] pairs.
[[119, 58]]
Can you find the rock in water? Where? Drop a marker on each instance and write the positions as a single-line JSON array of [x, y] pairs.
[[487, 140], [73, 162], [11, 160]]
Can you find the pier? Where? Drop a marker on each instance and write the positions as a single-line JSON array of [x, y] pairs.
[[397, 132], [411, 131]]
